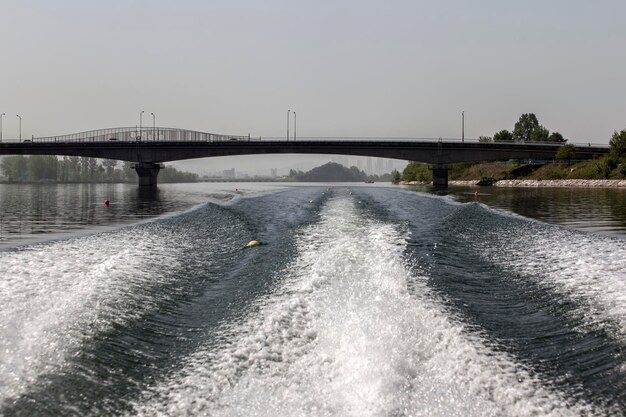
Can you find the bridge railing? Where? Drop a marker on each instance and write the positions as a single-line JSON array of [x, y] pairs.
[[134, 134], [415, 139], [163, 134]]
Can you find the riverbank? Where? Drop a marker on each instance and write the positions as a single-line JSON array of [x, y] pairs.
[[578, 183]]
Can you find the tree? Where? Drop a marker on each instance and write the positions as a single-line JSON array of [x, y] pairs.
[[417, 171], [540, 134], [617, 144], [485, 139], [395, 176], [604, 167], [524, 128], [503, 136], [73, 168], [129, 172], [556, 137], [15, 167], [42, 167], [109, 167], [566, 153], [171, 174], [92, 169]]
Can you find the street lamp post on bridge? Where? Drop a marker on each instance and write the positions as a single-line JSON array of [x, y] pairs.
[[463, 126], [140, 121], [1, 115], [153, 126], [20, 117], [288, 111], [294, 126]]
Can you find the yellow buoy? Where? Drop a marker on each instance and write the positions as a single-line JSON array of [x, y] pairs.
[[310, 201], [253, 243]]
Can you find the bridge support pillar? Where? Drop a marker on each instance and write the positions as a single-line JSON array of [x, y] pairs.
[[147, 173], [440, 176]]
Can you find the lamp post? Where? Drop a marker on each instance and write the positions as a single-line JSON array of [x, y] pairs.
[[288, 111], [1, 114], [463, 126], [294, 126], [20, 117], [153, 128], [140, 121]]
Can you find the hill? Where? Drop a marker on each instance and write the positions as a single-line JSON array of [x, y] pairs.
[[330, 172]]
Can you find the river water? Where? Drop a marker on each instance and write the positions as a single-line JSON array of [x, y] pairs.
[[361, 301]]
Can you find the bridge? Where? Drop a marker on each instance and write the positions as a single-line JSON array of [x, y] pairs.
[[148, 148]]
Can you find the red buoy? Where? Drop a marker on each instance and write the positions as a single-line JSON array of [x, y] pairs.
[[107, 202]]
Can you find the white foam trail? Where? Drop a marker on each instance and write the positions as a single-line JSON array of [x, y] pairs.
[[589, 269], [54, 296], [345, 338]]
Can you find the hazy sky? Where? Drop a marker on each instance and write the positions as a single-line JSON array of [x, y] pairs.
[[349, 68]]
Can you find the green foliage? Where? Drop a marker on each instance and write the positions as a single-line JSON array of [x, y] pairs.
[[15, 168], [486, 180], [485, 139], [417, 171], [566, 152], [503, 136], [170, 174], [605, 165], [459, 170], [525, 127], [396, 177], [36, 168], [330, 172], [550, 172], [539, 134], [42, 167], [617, 144], [528, 129], [556, 137]]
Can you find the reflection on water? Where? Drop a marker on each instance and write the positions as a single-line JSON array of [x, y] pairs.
[[593, 209], [34, 212], [29, 211]]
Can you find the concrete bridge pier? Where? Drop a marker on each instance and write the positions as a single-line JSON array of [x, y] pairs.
[[147, 173], [440, 176]]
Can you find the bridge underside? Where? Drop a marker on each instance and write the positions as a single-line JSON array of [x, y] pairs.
[[148, 155]]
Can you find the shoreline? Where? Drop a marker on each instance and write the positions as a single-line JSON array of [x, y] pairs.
[[573, 183]]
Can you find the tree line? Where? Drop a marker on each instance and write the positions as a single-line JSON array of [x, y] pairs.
[[609, 166], [49, 168], [526, 129]]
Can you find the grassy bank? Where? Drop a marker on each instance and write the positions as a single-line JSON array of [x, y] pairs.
[[598, 169]]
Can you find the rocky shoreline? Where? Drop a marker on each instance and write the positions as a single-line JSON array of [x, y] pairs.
[[536, 183], [549, 183]]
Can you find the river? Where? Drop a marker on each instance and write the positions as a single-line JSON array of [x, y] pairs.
[[360, 301]]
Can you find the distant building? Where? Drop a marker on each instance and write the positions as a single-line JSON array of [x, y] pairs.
[[368, 167], [229, 173], [379, 166], [273, 173]]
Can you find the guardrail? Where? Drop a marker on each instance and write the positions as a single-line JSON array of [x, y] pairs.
[[133, 134], [163, 134]]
